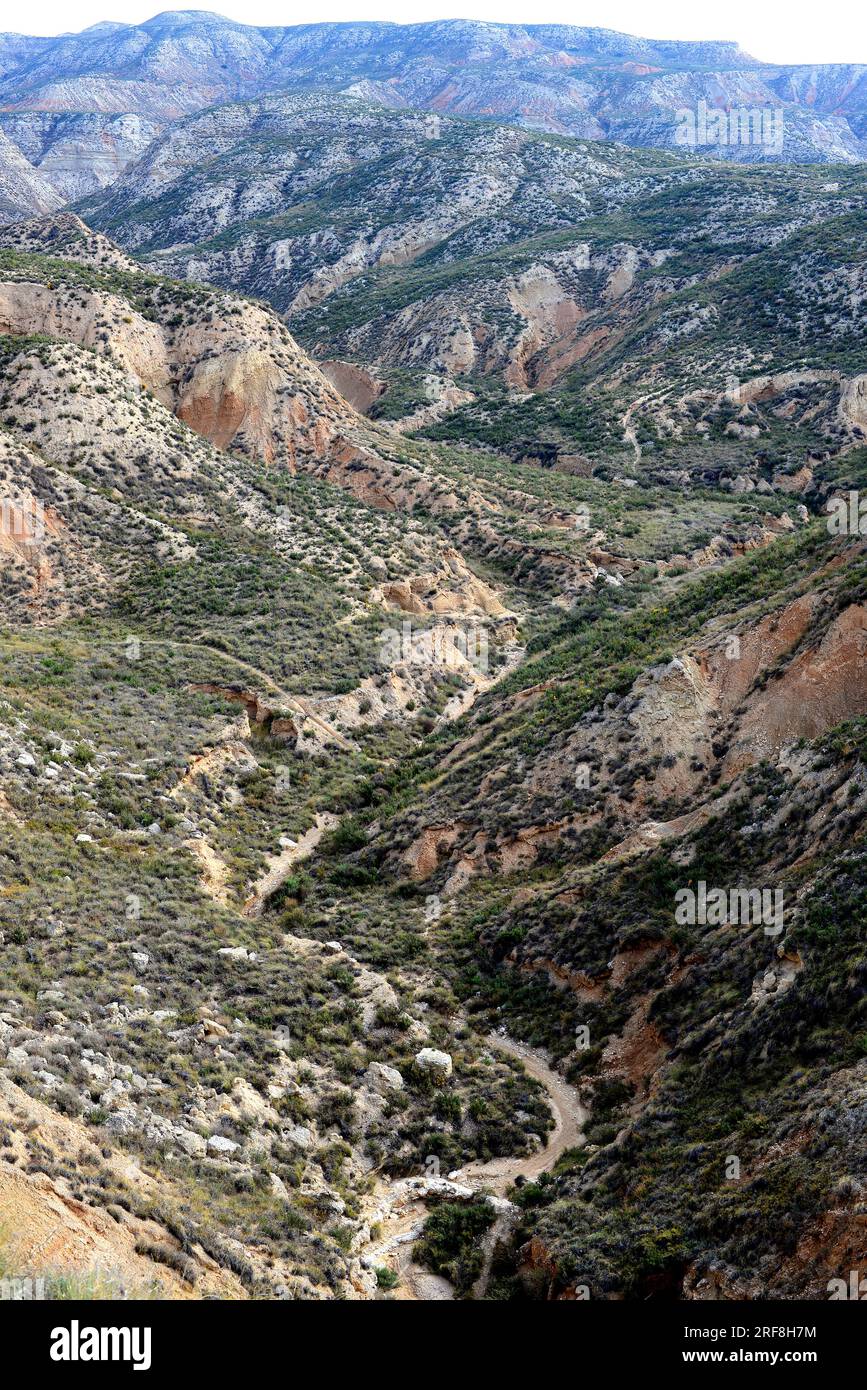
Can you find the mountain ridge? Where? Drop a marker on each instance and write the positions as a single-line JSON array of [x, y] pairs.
[[592, 83]]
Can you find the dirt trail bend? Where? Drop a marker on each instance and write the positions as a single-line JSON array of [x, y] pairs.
[[298, 704], [569, 1120], [403, 1220]]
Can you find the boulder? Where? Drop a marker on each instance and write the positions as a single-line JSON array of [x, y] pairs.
[[382, 1078], [192, 1144], [433, 1064], [222, 1147]]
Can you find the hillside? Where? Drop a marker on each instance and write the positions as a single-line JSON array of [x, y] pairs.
[[492, 285], [385, 659], [328, 754], [23, 188], [640, 750], [571, 80], [166, 736]]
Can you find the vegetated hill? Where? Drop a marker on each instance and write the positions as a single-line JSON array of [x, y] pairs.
[[715, 736], [195, 680], [195, 408], [527, 292], [230, 370], [564, 78], [279, 853]]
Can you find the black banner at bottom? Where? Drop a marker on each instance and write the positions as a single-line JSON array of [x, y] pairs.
[[82, 1340]]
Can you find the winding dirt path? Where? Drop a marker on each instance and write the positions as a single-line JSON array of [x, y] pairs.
[[569, 1119], [404, 1215], [298, 704], [630, 433]]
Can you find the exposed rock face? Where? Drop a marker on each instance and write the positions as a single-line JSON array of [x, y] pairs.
[[76, 153], [716, 707], [235, 376], [449, 590], [454, 262], [822, 686], [275, 722], [444, 397], [224, 366], [51, 1229], [354, 383], [551, 316], [853, 403], [23, 189], [424, 855]]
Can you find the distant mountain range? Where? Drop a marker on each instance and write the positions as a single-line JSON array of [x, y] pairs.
[[79, 107]]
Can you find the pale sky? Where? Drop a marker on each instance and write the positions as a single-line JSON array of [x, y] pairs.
[[802, 31]]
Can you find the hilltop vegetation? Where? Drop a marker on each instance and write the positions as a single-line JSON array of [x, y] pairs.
[[542, 296]]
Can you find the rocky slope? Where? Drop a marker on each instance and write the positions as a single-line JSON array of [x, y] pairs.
[[552, 297], [234, 645], [557, 829], [23, 189], [345, 765], [563, 78], [78, 153]]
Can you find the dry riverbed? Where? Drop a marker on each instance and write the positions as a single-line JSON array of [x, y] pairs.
[[401, 1210]]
